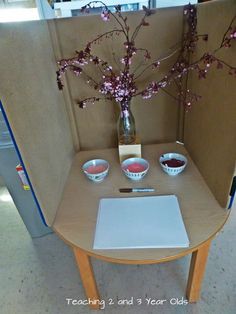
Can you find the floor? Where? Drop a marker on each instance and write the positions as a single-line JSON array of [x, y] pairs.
[[40, 276]]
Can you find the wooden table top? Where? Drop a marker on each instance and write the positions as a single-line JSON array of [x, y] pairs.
[[76, 217]]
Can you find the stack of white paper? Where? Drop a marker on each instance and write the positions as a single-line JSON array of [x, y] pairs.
[[140, 222]]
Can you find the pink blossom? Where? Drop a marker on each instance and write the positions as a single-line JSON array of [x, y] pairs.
[[122, 85], [163, 84], [105, 15], [146, 94], [126, 60], [77, 71], [156, 64], [233, 34], [153, 87]]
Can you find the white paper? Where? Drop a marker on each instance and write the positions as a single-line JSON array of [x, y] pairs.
[[140, 222]]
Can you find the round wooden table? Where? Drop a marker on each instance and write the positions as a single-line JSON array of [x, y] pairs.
[[76, 217]]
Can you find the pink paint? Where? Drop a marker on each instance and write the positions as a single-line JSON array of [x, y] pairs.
[[135, 167], [96, 169]]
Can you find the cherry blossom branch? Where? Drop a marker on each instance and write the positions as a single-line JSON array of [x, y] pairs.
[[90, 100], [147, 12], [106, 13], [121, 86], [112, 32], [169, 94], [156, 63], [225, 40]]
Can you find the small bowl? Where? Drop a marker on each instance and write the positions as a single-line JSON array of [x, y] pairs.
[[173, 163], [135, 168], [96, 169]]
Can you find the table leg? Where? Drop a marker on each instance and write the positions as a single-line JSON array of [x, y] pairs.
[[196, 272], [87, 277]]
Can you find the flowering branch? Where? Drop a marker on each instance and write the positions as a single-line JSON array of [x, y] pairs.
[[156, 63], [182, 66], [122, 85], [229, 35]]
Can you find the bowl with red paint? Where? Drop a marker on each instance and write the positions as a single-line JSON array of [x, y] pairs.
[[135, 168], [96, 169], [173, 163]]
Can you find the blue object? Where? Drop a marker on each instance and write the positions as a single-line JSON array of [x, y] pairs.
[[25, 201]]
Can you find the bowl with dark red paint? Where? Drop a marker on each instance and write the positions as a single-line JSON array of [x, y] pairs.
[[173, 163], [96, 169], [135, 168]]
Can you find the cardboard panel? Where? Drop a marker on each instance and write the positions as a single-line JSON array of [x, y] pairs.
[[39, 117], [210, 130], [36, 109], [156, 118]]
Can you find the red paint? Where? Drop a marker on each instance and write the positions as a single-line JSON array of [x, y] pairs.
[[95, 169], [173, 163], [135, 167]]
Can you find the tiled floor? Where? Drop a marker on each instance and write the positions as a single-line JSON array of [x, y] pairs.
[[38, 276]]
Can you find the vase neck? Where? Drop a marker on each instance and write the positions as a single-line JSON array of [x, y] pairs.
[[125, 105]]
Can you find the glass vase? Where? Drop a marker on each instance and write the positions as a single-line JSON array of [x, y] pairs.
[[126, 125]]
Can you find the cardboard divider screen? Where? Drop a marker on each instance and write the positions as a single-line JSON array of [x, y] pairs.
[[38, 112]]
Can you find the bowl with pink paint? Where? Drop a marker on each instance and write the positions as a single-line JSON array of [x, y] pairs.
[[135, 168], [96, 169]]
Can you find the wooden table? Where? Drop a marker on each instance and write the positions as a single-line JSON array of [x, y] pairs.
[[76, 217]]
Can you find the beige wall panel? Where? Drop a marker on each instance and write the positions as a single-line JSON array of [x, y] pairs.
[[36, 109], [210, 130], [157, 118]]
